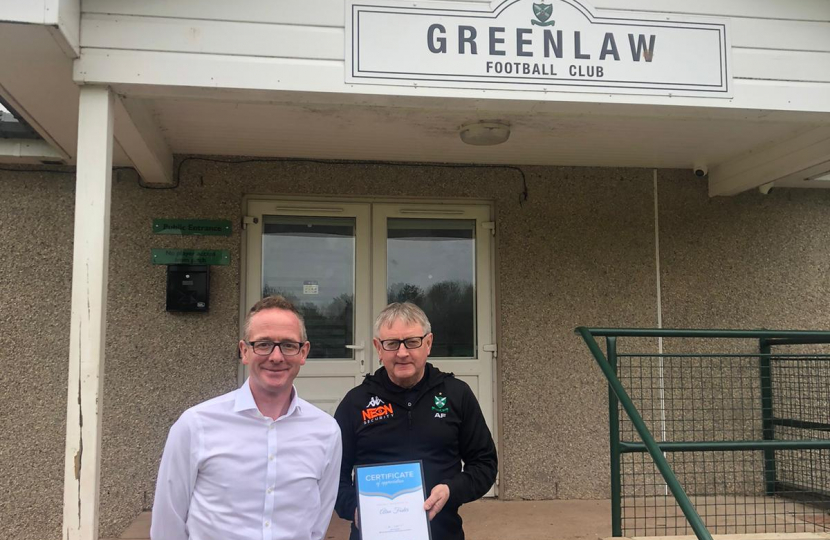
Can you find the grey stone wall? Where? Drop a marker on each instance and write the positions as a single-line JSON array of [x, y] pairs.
[[578, 251], [36, 221]]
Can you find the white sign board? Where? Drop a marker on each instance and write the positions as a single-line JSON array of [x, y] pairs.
[[555, 46]]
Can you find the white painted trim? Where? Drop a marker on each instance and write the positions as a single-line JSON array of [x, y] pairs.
[[659, 306], [482, 365], [661, 372], [143, 142], [768, 163], [150, 68], [374, 274], [30, 150], [327, 12], [23, 11], [30, 119], [82, 473], [817, 10], [102, 31], [361, 213], [657, 259], [308, 32], [799, 179], [62, 17], [65, 16], [245, 246]]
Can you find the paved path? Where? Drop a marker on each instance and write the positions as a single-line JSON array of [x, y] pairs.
[[493, 520]]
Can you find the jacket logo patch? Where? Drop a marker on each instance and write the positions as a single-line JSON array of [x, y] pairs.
[[374, 402], [439, 405], [377, 413]]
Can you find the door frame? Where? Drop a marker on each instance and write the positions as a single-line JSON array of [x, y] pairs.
[[491, 310], [360, 363], [480, 214]]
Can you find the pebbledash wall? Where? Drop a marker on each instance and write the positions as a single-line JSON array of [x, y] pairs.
[[580, 250]]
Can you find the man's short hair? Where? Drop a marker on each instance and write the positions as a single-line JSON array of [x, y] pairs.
[[275, 302], [402, 311]]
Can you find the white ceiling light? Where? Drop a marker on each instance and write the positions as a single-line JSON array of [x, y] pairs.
[[485, 133]]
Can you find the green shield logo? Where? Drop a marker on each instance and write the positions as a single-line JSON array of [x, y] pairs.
[[542, 12]]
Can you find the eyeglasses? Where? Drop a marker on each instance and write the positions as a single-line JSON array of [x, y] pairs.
[[409, 343], [264, 348]]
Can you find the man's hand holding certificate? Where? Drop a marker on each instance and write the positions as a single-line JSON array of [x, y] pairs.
[[437, 499], [391, 501]]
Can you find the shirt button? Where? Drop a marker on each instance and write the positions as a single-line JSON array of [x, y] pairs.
[[271, 457], [270, 491], [267, 523], [409, 404], [271, 426]]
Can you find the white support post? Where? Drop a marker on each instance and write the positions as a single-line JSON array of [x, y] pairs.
[[89, 315]]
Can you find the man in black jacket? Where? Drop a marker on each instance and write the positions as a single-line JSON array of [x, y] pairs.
[[409, 410]]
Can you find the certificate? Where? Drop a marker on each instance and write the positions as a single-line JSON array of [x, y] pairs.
[[390, 501]]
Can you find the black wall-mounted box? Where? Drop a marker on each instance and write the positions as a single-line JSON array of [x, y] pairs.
[[188, 287]]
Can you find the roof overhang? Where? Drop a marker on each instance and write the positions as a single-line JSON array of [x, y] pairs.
[[36, 81], [184, 104]]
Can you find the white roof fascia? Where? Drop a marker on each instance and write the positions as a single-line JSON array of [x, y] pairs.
[[27, 151], [63, 17], [805, 152]]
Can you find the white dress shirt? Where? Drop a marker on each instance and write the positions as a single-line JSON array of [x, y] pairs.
[[230, 473]]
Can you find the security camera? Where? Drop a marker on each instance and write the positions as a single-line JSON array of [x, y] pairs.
[[700, 170]]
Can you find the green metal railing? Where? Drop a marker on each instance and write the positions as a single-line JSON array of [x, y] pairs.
[[766, 442]]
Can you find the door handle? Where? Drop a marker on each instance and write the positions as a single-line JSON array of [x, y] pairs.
[[359, 347]]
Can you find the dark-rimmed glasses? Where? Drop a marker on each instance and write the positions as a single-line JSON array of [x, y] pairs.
[[409, 343], [264, 348]]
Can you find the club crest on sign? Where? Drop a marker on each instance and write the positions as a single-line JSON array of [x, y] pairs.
[[542, 12]]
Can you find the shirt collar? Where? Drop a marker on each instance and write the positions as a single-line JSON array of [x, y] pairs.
[[245, 400]]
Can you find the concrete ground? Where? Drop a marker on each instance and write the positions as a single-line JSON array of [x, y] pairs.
[[491, 519]]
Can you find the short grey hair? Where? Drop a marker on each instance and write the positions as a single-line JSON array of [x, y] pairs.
[[402, 311]]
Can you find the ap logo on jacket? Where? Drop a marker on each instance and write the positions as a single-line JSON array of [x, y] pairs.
[[440, 406]]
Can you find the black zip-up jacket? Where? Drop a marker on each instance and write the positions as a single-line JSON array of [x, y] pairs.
[[438, 421]]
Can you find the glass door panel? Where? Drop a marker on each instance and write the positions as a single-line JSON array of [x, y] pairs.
[[316, 254], [310, 260], [439, 257], [431, 262]]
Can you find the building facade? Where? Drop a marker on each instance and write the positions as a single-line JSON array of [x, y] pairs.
[[337, 158]]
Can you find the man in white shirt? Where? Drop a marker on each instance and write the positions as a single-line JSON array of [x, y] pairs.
[[258, 462]]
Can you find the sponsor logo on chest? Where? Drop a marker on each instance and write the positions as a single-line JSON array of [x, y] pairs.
[[375, 401], [377, 410]]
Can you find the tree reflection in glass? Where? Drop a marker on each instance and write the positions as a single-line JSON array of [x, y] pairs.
[[431, 263]]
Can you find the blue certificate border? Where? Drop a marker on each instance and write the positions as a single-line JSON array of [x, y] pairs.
[[363, 468]]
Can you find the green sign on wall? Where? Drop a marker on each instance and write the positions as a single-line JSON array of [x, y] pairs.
[[200, 227], [213, 257]]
